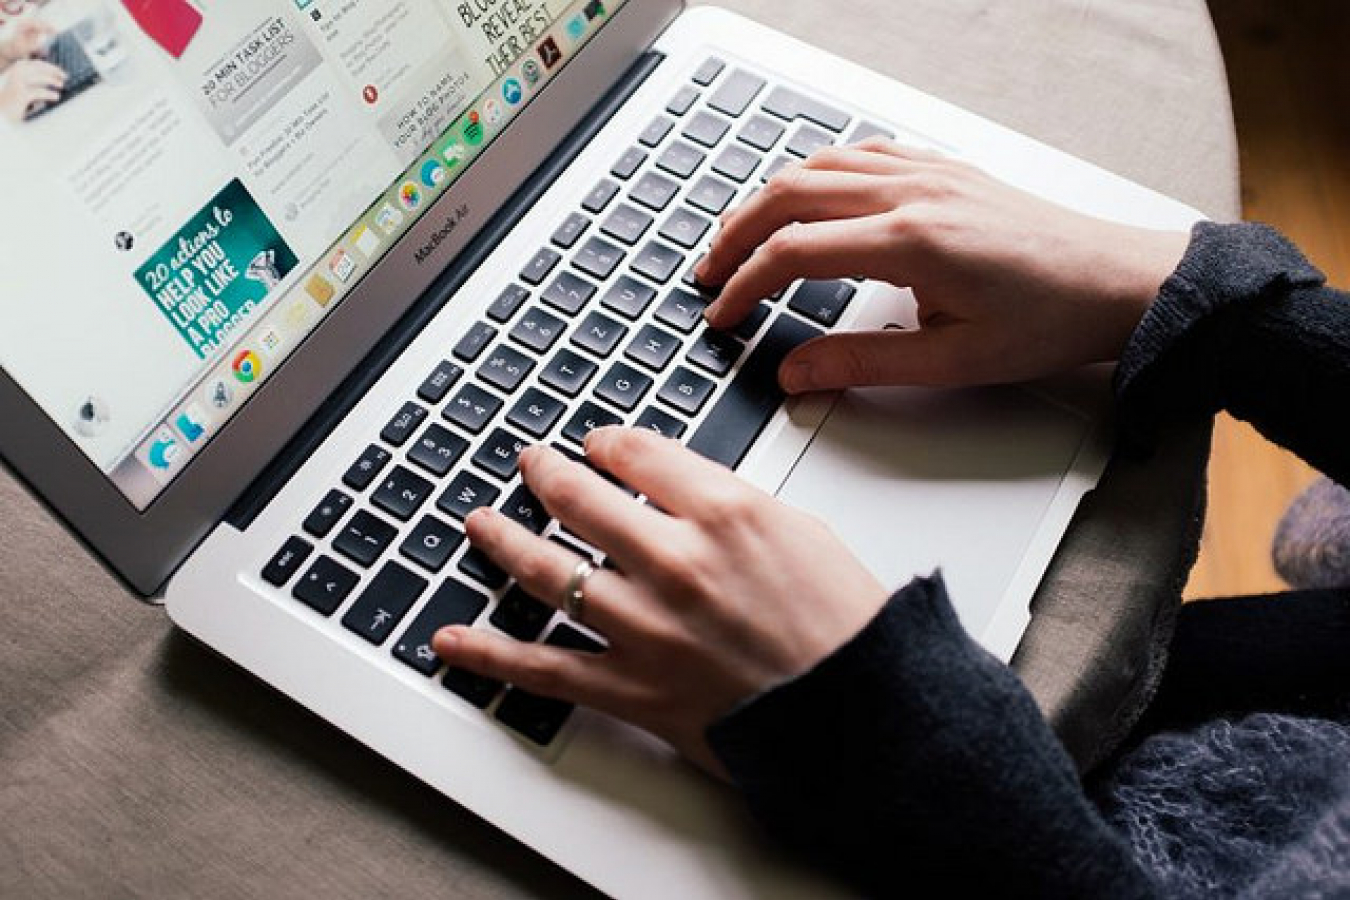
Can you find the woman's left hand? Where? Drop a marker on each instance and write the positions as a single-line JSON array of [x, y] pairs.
[[722, 592]]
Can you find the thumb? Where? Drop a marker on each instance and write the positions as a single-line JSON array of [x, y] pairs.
[[860, 358]]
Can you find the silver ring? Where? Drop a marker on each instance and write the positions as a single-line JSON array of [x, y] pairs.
[[574, 595]]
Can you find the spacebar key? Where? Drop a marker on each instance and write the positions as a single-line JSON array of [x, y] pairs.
[[752, 397]]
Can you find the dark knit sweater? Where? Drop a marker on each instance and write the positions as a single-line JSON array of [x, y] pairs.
[[912, 761]]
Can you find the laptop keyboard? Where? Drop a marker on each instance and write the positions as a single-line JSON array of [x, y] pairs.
[[603, 326]]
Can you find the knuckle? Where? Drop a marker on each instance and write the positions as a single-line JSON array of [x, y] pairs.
[[787, 243], [534, 564], [564, 493], [627, 447]]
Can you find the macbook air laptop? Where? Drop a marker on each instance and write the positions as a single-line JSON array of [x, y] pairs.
[[294, 297]]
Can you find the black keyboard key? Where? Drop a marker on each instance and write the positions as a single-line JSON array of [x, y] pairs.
[[599, 197], [432, 543], [715, 351], [660, 421], [540, 719], [658, 262], [750, 325], [437, 450], [325, 586], [708, 71], [706, 129], [324, 518], [536, 412], [570, 231], [655, 132], [822, 301], [761, 133], [472, 408], [364, 538], [452, 604], [628, 297], [686, 391], [736, 163], [598, 258], [465, 493], [685, 228], [520, 615], [681, 159], [525, 509], [627, 224], [712, 195], [476, 565], [654, 191], [586, 419], [402, 493], [384, 603], [402, 426], [808, 140], [472, 345], [440, 381], [681, 310], [623, 386], [753, 396], [599, 334], [500, 454], [366, 468], [627, 165], [653, 347], [508, 303], [866, 130], [287, 562], [476, 689], [506, 368], [736, 92], [683, 101], [568, 373], [790, 105], [538, 330], [568, 293], [538, 268]]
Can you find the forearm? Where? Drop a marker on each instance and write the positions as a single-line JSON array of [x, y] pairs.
[[910, 753], [1246, 325]]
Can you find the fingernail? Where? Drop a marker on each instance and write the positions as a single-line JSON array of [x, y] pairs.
[[701, 269], [796, 376], [712, 311]]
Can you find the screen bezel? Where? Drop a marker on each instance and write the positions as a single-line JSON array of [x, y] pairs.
[[145, 547]]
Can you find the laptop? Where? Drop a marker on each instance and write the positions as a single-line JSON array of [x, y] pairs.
[[339, 263]]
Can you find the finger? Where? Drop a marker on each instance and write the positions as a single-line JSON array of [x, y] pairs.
[[592, 508], [545, 569], [673, 477], [929, 356], [569, 675], [841, 248], [797, 194], [893, 148]]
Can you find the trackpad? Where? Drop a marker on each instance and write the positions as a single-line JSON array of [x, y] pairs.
[[915, 479]]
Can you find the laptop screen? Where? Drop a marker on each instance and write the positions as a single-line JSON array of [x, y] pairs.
[[194, 185]]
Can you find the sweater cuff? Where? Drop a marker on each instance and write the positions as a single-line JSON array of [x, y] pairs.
[[1225, 265], [915, 639]]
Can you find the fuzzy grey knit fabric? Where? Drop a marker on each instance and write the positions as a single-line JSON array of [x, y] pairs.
[[1312, 543], [1234, 808]]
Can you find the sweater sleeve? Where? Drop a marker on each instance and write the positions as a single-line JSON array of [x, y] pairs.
[[1247, 325], [910, 753]]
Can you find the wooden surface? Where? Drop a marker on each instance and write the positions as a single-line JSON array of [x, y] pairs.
[[1291, 102]]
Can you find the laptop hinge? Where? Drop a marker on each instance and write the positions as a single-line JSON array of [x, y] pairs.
[[258, 494]]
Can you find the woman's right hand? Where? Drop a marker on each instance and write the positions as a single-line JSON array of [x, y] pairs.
[[27, 82], [1010, 287]]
